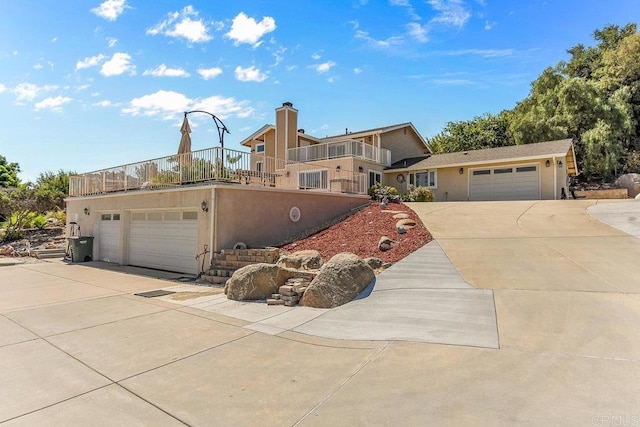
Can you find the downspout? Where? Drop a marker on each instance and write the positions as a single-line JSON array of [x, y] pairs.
[[555, 179]]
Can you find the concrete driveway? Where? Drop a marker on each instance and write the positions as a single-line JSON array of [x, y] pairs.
[[77, 347]]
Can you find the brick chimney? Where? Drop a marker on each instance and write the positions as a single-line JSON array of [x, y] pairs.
[[286, 129]]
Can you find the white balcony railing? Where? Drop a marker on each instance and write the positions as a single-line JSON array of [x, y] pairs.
[[337, 149], [216, 165]]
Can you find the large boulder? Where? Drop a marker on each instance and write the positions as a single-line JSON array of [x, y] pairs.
[[259, 281], [339, 281], [305, 260], [630, 181]]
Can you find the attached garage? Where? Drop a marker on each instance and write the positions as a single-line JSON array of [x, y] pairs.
[[521, 182], [165, 240], [109, 237]]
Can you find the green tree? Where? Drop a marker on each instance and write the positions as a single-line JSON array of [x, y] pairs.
[[484, 131], [8, 173], [18, 205], [52, 187]]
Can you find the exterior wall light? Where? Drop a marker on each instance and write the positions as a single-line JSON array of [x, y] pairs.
[[547, 163], [559, 163], [461, 171], [86, 211], [204, 206]]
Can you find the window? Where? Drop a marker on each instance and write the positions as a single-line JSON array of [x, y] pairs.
[[424, 179], [499, 171], [375, 177], [189, 215], [260, 148], [110, 217], [526, 169], [259, 167], [313, 179], [482, 172]]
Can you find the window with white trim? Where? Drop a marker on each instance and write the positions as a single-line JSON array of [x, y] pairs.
[[260, 148], [427, 179]]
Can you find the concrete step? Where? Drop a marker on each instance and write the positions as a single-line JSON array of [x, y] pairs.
[[49, 253]]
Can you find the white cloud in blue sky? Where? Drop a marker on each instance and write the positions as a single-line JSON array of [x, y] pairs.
[[110, 9], [183, 24], [247, 30]]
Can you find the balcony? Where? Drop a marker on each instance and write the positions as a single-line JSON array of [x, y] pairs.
[[337, 149], [216, 165]]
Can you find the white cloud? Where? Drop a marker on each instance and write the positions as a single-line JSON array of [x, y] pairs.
[[106, 103], [118, 64], [486, 53], [410, 10], [489, 25], [183, 24], [3, 88], [248, 30], [168, 105], [53, 40], [357, 70], [90, 61], [54, 104], [249, 74], [110, 9], [209, 73], [324, 67], [450, 12], [163, 71], [316, 56], [418, 32], [380, 44], [29, 91], [37, 67], [111, 41]]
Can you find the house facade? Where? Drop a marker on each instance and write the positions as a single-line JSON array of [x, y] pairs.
[[172, 212], [519, 172]]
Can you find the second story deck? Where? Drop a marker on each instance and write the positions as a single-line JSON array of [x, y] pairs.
[[338, 149]]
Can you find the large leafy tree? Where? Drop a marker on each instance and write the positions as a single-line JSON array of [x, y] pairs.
[[485, 131], [52, 187], [8, 173]]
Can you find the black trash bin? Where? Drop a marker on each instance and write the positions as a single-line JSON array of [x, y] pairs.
[[80, 248]]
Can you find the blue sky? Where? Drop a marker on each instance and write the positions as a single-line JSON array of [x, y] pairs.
[[88, 85]]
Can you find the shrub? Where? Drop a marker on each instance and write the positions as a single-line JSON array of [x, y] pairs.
[[379, 191], [418, 194], [39, 222], [59, 217]]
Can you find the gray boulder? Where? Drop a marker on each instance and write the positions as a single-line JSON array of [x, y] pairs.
[[385, 243], [339, 281], [630, 181], [259, 281], [301, 260], [373, 262]]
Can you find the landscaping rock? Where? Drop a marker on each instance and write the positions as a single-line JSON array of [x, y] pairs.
[[630, 181], [401, 216], [260, 281], [385, 243], [339, 281], [305, 260], [373, 262], [406, 223]]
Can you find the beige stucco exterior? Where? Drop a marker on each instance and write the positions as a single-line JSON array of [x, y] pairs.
[[451, 185], [254, 215]]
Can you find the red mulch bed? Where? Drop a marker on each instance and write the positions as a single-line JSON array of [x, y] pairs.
[[361, 232]]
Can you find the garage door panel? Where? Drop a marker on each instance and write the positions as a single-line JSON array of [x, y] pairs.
[[505, 183], [109, 238], [164, 242]]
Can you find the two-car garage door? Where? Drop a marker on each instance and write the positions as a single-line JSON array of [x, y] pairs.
[[164, 240], [505, 183]]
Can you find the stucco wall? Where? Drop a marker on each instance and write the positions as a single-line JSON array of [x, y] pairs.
[[403, 143], [260, 217], [124, 203], [453, 186]]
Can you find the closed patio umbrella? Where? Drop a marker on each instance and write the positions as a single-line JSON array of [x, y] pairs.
[[184, 150]]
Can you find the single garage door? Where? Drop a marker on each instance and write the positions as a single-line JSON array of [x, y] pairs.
[[505, 183], [109, 237], [164, 240]]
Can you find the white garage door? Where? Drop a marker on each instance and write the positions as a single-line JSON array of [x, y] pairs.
[[109, 237], [505, 183], [164, 240]]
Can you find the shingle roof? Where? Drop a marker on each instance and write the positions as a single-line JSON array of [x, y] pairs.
[[557, 148]]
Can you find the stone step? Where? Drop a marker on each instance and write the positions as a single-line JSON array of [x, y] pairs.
[[215, 279], [49, 253]]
